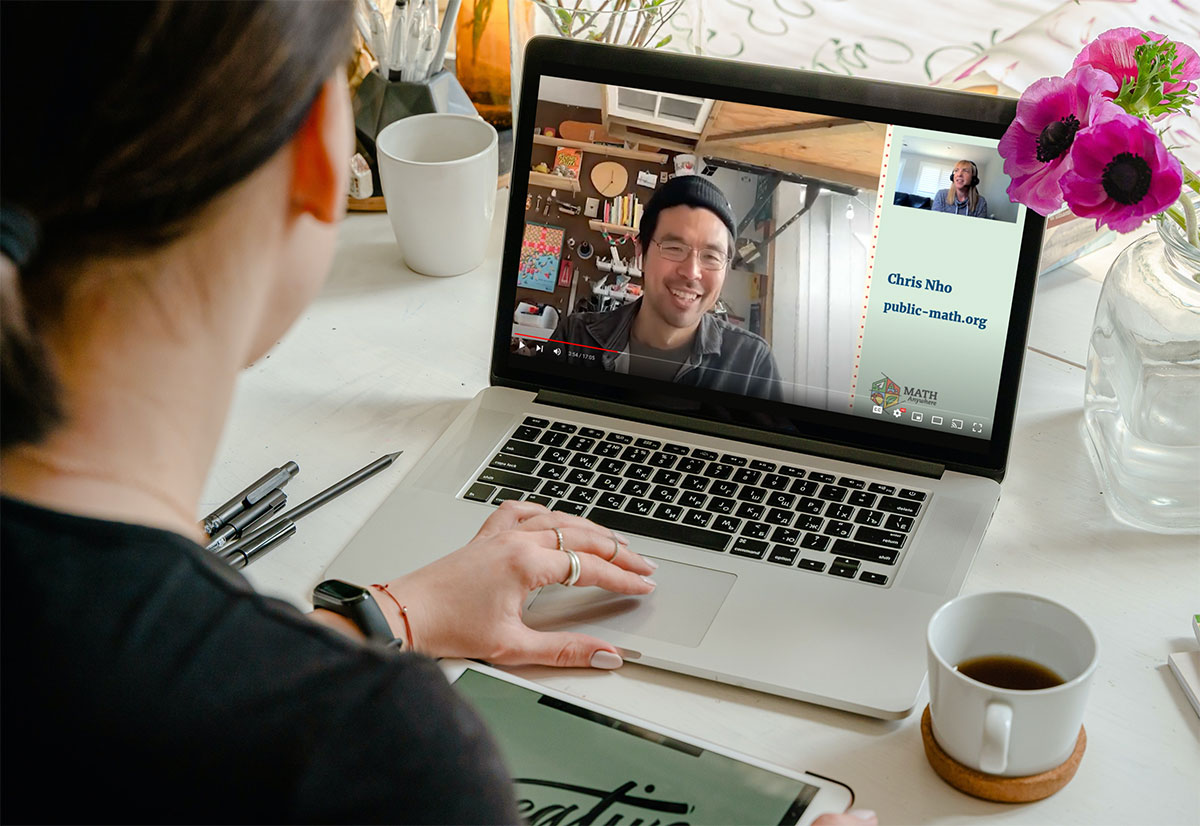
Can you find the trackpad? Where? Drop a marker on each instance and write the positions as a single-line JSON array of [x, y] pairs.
[[679, 611]]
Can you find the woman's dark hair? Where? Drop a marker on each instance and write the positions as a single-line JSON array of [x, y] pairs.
[[117, 136]]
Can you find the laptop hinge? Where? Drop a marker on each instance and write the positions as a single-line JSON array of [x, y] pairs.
[[887, 461]]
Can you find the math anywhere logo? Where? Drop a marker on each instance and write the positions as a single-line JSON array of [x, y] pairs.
[[885, 393]]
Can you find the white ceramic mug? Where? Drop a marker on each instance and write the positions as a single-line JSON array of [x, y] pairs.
[[1004, 731], [439, 183]]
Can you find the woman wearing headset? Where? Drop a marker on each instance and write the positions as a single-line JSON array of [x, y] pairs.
[[962, 196]]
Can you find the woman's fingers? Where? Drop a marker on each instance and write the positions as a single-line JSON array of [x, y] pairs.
[[555, 567]]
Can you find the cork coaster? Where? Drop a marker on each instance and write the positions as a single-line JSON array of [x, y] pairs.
[[993, 787]]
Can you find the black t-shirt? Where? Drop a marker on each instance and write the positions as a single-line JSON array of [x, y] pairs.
[[143, 680]]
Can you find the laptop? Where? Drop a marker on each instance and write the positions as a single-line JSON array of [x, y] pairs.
[[804, 533]]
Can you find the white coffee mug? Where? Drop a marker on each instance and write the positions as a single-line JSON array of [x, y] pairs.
[[1004, 731], [439, 183]]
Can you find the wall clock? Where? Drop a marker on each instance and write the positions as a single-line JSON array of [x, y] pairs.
[[609, 178]]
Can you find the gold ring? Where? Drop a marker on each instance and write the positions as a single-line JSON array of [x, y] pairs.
[[616, 549]]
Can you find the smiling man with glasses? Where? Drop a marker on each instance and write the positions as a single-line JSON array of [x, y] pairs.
[[686, 239]]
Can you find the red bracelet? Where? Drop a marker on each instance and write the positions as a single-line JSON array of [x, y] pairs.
[[403, 612]]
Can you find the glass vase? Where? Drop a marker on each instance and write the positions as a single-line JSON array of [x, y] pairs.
[[1142, 399], [483, 58]]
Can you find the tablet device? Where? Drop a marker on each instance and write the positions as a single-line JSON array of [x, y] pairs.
[[576, 762]]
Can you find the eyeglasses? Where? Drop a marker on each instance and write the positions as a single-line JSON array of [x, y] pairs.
[[709, 259]]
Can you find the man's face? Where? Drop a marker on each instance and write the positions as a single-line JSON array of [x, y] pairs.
[[678, 293]]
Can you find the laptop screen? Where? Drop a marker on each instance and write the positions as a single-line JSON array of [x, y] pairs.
[[804, 264]]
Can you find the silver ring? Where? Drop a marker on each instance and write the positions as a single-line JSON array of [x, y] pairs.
[[616, 549], [573, 576], [558, 533]]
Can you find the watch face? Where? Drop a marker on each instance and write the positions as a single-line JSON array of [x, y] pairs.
[[340, 591]]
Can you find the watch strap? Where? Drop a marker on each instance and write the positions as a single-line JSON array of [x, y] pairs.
[[356, 604]]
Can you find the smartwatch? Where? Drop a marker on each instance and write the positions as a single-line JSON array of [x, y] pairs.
[[356, 604]]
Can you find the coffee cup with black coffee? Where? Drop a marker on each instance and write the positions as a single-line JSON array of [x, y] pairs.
[[1009, 675]]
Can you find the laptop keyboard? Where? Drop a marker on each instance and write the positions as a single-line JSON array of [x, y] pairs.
[[781, 514]]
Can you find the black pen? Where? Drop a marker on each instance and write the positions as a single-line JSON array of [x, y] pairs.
[[261, 542], [272, 479], [233, 550], [269, 505]]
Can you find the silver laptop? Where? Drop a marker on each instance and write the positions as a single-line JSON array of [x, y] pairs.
[[809, 518]]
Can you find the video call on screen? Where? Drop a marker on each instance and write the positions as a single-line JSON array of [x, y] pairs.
[[857, 257]]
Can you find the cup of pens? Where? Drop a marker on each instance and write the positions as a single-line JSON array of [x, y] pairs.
[[410, 49]]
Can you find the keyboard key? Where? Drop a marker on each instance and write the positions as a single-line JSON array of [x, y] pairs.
[[506, 494], [780, 500], [786, 536], [563, 427], [791, 470], [839, 511], [698, 519], [534, 421], [539, 499], [610, 500], [783, 555], [556, 456], [635, 488], [870, 553], [619, 438], [678, 450], [805, 522], [812, 564], [814, 542], [736, 461], [580, 443], [610, 466], [584, 495], [583, 460], [838, 528], [843, 570], [823, 478], [872, 518], [579, 477], [663, 493], [640, 507], [636, 455], [516, 463], [706, 455], [555, 490], [521, 448], [745, 476], [775, 481], [648, 444], [663, 459], [591, 432], [573, 508], [684, 534], [728, 524], [862, 499], [873, 578], [744, 546], [721, 505], [691, 499], [852, 483], [722, 488], [527, 434], [895, 522], [553, 438], [779, 516], [480, 492], [749, 494], [690, 465], [875, 536], [810, 505], [639, 472], [804, 487], [607, 483], [666, 477], [607, 449], [914, 495], [749, 510], [506, 478], [759, 464], [716, 470], [886, 490], [756, 530], [833, 493], [697, 483], [668, 512], [901, 506]]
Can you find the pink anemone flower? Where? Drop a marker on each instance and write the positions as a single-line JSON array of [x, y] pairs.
[[1121, 174], [1036, 147], [1112, 52]]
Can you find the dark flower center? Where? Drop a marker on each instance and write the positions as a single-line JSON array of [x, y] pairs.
[[1056, 138], [1126, 179]]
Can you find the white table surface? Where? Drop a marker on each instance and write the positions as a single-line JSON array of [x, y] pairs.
[[385, 358]]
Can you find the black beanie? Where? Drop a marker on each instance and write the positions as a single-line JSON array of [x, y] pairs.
[[687, 190]]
